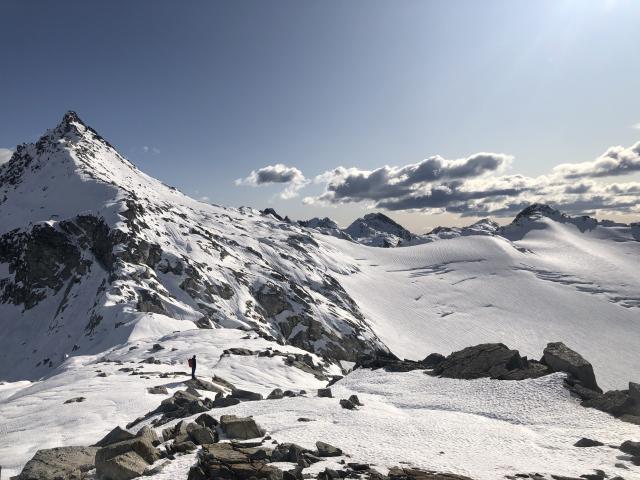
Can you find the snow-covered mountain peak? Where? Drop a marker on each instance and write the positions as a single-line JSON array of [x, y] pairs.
[[93, 253], [378, 230], [537, 210]]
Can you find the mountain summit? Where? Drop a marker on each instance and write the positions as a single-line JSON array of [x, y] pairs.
[[98, 253]]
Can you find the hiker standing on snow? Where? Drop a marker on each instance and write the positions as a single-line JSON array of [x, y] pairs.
[[192, 364]]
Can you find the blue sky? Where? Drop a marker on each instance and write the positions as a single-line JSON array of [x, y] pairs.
[[200, 94]]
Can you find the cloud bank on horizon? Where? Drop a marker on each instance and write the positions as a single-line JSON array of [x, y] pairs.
[[473, 186]]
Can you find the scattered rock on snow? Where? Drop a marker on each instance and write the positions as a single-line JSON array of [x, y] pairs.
[[355, 400], [347, 404], [207, 420], [116, 435], [75, 400], [225, 460], [126, 459], [221, 402], [275, 394], [158, 390], [630, 447], [325, 393], [587, 442], [245, 395], [200, 384], [326, 450], [560, 358], [240, 427]]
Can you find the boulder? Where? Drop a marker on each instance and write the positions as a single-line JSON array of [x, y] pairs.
[[201, 435], [587, 442], [140, 445], [289, 452], [355, 400], [179, 429], [225, 402], [614, 402], [347, 404], [193, 392], [227, 461], [184, 447], [240, 427], [158, 390], [326, 450], [632, 448], [493, 360], [276, 394], [245, 395], [75, 400], [62, 463], [325, 393], [116, 435], [125, 466], [207, 420], [433, 360], [200, 384], [560, 358], [149, 434]]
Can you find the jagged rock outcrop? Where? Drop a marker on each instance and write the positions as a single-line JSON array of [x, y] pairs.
[[493, 360]]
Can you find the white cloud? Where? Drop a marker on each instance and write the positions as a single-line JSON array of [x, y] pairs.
[[148, 149], [276, 174], [473, 186], [5, 155], [614, 162]]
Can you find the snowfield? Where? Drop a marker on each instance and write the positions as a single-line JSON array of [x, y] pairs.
[[555, 283]]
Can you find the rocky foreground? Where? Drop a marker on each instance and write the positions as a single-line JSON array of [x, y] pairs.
[[184, 427]]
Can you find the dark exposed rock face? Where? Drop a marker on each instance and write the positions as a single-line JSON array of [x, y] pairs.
[[560, 358], [492, 360], [388, 361], [433, 360], [63, 463]]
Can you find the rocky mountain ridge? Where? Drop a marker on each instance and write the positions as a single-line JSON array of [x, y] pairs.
[[95, 252]]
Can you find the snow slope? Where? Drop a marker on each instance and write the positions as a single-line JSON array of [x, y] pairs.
[[554, 282], [481, 428]]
